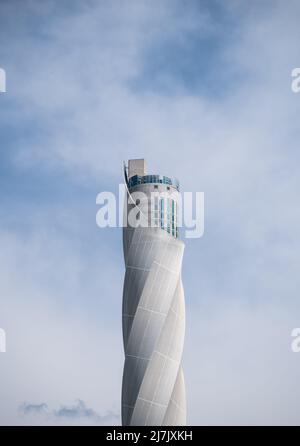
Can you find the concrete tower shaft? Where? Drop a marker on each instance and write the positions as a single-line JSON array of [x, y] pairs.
[[153, 391]]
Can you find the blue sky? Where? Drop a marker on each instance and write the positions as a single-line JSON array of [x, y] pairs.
[[202, 90]]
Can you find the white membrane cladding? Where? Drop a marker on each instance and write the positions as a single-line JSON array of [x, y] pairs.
[[153, 391]]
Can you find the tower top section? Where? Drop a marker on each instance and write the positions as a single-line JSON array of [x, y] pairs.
[[137, 167], [136, 174]]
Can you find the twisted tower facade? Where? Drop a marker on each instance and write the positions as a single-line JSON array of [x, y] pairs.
[[153, 390]]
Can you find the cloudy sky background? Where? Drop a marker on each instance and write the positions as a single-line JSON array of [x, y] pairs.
[[202, 90]]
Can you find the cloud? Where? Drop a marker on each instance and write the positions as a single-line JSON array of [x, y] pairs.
[[76, 412], [79, 410], [29, 409], [55, 330]]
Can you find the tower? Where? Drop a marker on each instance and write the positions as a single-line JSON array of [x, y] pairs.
[[153, 314]]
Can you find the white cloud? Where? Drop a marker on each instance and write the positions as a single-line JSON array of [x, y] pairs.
[[77, 413], [56, 328]]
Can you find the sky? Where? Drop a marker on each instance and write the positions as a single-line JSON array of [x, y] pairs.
[[202, 91]]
